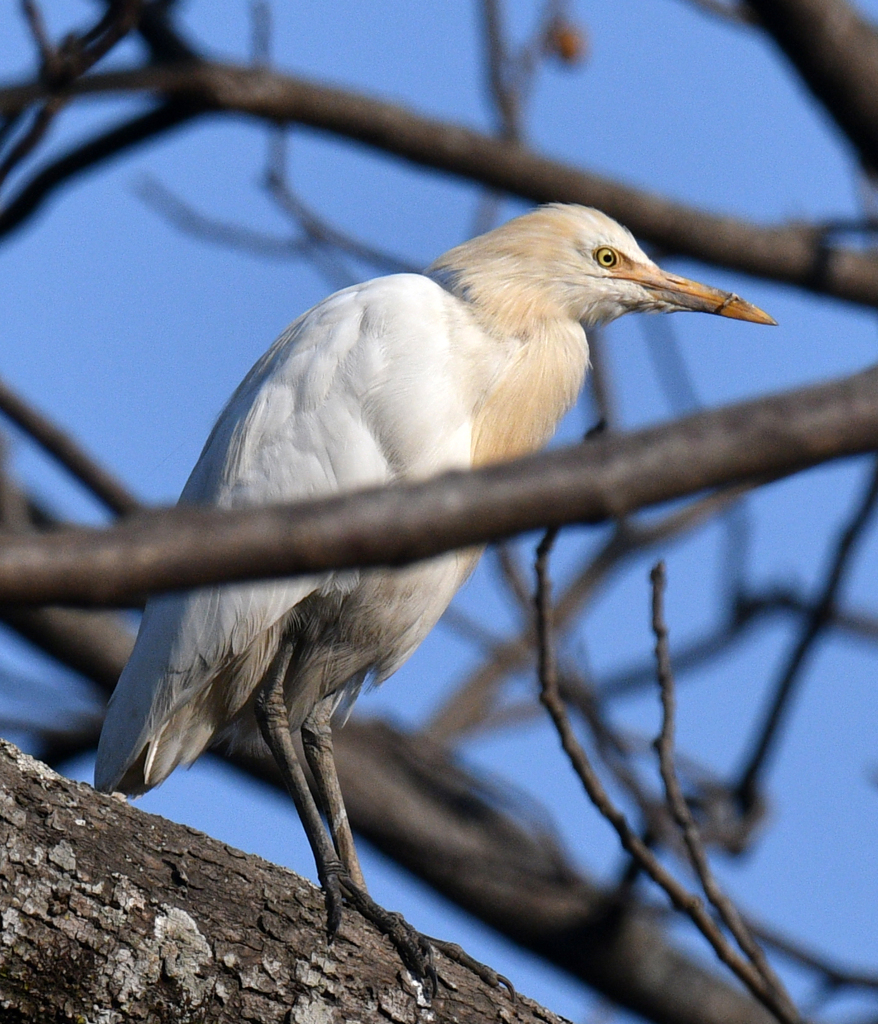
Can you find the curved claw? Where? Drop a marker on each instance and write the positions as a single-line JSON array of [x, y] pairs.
[[414, 949], [459, 956]]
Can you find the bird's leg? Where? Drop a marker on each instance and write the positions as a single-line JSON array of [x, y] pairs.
[[317, 743], [413, 948], [273, 718]]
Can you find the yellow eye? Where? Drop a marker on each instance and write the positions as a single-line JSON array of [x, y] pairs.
[[606, 257]]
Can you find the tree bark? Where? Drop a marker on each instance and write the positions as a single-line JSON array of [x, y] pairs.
[[605, 478], [410, 798], [110, 914]]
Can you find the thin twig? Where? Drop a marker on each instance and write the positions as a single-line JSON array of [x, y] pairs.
[[737, 12], [260, 32], [821, 614], [749, 611], [39, 126], [720, 821], [512, 575], [683, 900], [187, 219], [835, 976], [505, 93], [102, 484], [473, 700], [681, 812], [63, 64], [37, 26], [468, 628], [323, 233], [547, 665], [509, 79], [162, 118], [78, 54]]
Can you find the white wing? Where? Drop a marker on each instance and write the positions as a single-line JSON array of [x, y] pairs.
[[365, 388]]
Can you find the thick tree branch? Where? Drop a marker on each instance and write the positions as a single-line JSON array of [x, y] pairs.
[[796, 255], [606, 477], [146, 920], [408, 797]]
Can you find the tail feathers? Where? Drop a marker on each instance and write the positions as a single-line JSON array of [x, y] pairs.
[[179, 740]]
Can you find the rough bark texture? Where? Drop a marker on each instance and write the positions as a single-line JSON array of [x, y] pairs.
[[406, 795], [145, 920]]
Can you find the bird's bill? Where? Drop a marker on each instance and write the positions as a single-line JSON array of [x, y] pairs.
[[684, 294]]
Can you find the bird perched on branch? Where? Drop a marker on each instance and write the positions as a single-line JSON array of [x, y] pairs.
[[473, 362]]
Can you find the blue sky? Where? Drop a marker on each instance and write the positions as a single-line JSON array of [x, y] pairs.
[[133, 335]]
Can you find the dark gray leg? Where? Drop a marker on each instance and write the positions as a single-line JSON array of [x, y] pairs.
[[317, 742], [274, 723], [273, 718]]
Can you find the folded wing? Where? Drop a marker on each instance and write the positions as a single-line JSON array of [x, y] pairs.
[[362, 390]]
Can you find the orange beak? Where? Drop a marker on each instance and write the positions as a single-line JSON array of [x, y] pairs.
[[683, 294]]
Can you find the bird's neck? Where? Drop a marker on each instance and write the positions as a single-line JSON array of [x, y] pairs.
[[539, 355], [537, 383]]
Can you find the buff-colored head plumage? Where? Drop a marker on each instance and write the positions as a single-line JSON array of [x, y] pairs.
[[566, 262]]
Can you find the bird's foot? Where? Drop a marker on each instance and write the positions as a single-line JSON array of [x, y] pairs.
[[330, 882], [459, 956], [415, 950]]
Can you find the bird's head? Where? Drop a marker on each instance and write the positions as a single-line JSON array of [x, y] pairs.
[[572, 262]]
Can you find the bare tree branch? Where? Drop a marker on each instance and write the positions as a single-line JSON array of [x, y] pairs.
[[30, 139], [749, 609], [155, 922], [797, 255], [605, 478], [679, 808], [471, 704], [512, 879], [407, 795], [438, 821], [684, 901], [63, 64], [835, 51], [820, 615], [33, 194]]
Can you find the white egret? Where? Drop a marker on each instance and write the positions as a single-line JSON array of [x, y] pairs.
[[474, 361]]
